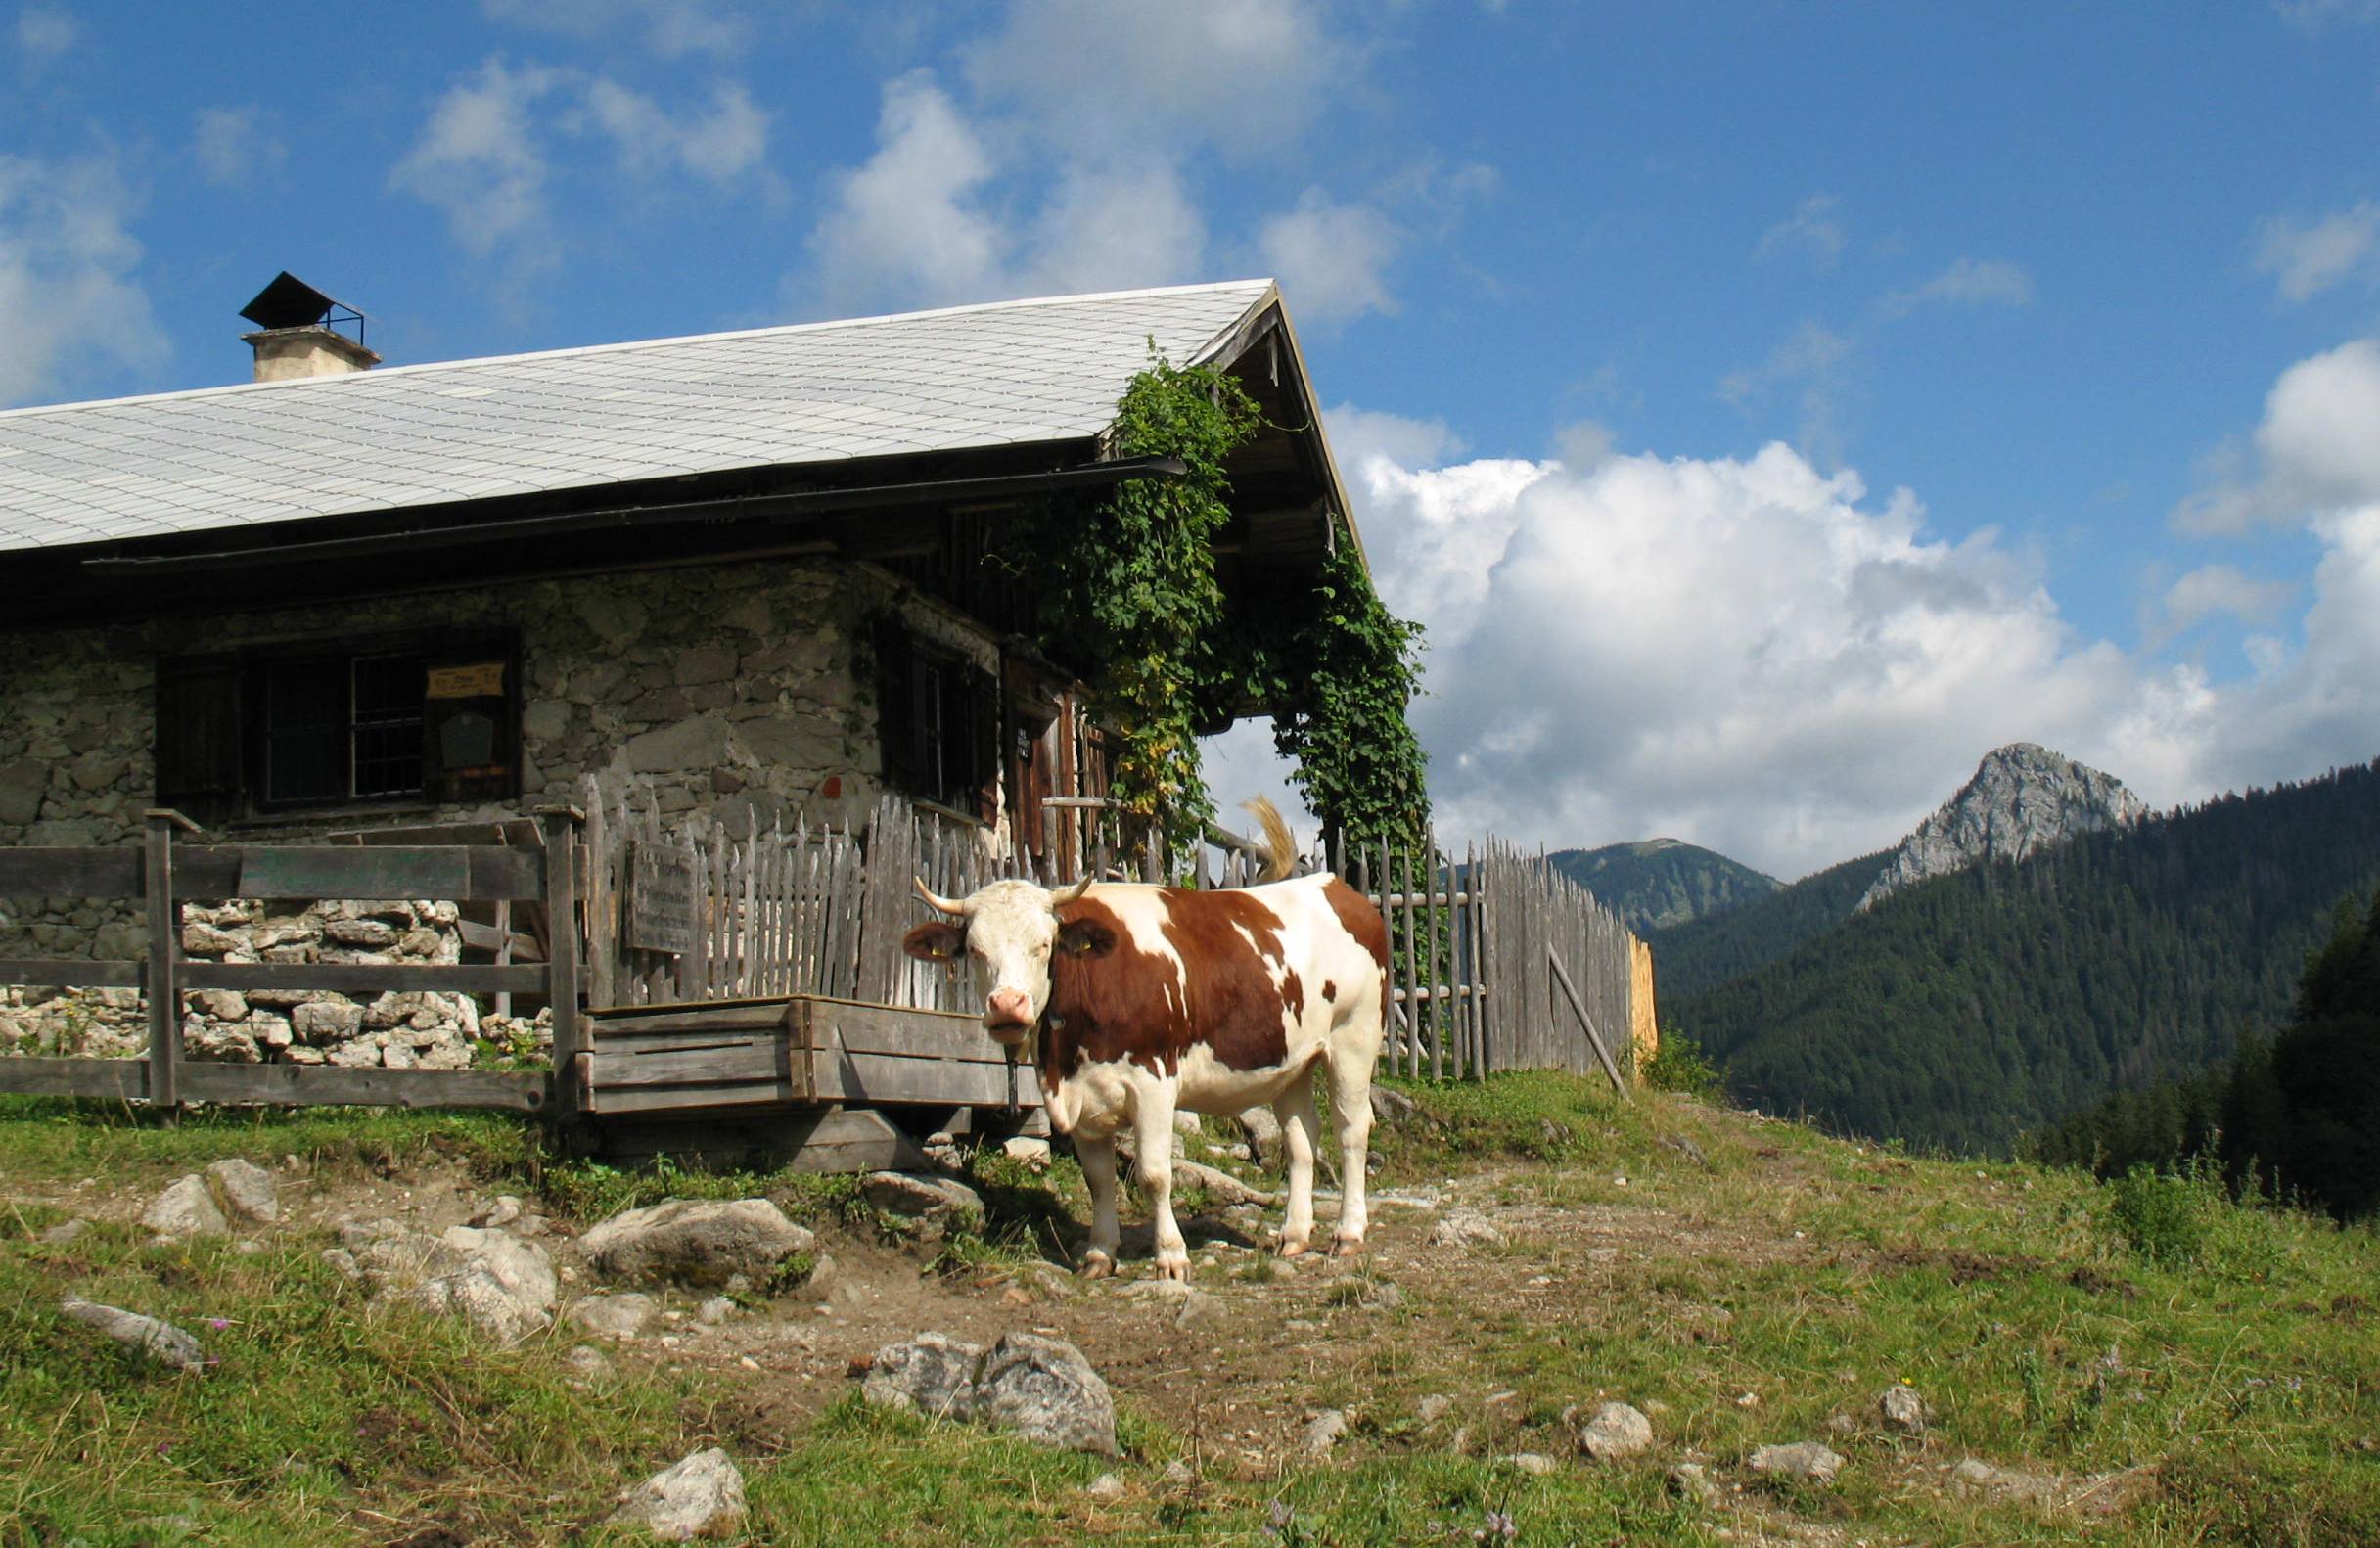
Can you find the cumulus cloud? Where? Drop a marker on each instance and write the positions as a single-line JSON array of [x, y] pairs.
[[70, 297], [1333, 257], [2305, 259], [2313, 452], [236, 146], [2213, 591], [909, 222], [720, 145], [1968, 282], [1244, 75], [480, 161], [1812, 231]]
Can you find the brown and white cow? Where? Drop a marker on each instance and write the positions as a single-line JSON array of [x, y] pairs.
[[1141, 1000]]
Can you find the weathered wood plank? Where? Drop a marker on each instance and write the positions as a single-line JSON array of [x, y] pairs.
[[456, 873], [164, 954], [113, 1079], [54, 872], [507, 1090], [847, 1077], [78, 972], [446, 978]]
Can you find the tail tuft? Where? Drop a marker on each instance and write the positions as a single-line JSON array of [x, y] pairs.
[[1280, 844]]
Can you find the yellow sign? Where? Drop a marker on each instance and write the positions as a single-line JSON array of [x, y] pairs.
[[484, 681]]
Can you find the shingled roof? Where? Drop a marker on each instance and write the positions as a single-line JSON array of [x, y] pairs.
[[1008, 374]]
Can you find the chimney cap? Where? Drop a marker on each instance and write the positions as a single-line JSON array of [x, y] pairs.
[[291, 302]]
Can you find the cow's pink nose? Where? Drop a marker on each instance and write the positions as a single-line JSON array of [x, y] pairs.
[[1011, 1007]]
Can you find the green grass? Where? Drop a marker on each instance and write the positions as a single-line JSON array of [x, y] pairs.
[[2224, 1363]]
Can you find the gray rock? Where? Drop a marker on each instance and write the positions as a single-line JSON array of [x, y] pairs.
[[1465, 1228], [222, 1004], [503, 1286], [700, 1241], [66, 1231], [1030, 1149], [588, 1363], [1199, 1311], [1613, 1432], [1322, 1431], [369, 935], [2023, 798], [186, 1208], [1901, 1409], [717, 1310], [1803, 1461], [933, 1374], [1221, 1186], [1105, 1488], [342, 1262], [701, 1495], [1264, 1132], [1432, 1408], [923, 1197], [619, 1316], [327, 1020], [245, 1190], [1688, 1481], [160, 1342], [1179, 1475], [1534, 1463], [1045, 1391], [206, 940]]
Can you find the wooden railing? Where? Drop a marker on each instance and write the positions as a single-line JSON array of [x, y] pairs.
[[170, 869]]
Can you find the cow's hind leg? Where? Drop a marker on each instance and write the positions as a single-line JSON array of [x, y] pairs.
[[1153, 1126], [1300, 1128], [1351, 1063], [1098, 1161]]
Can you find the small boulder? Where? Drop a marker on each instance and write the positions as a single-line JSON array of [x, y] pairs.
[[1199, 1311], [1264, 1132], [160, 1342], [66, 1231], [1689, 1482], [701, 1496], [620, 1316], [933, 1374], [924, 1198], [245, 1190], [503, 1286], [1106, 1489], [1803, 1461], [702, 1242], [1901, 1409], [1045, 1391], [1536, 1464], [1322, 1431], [1465, 1228], [1613, 1432], [1030, 1149], [186, 1208]]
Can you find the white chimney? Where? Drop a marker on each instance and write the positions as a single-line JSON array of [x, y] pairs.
[[294, 336]]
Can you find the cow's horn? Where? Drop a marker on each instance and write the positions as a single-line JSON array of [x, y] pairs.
[[940, 906], [1067, 895]]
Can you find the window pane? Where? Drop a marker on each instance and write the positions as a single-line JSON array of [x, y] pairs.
[[306, 706], [388, 693]]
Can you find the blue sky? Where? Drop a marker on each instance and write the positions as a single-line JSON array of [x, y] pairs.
[[1769, 408]]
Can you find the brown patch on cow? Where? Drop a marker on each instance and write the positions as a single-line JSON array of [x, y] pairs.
[[1330, 992], [1359, 918], [1129, 1003]]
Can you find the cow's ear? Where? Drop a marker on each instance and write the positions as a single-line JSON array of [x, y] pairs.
[[938, 941], [1085, 937]]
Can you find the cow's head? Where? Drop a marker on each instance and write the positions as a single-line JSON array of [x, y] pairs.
[[1010, 930]]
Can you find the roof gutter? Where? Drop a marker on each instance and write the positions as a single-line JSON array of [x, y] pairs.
[[748, 507]]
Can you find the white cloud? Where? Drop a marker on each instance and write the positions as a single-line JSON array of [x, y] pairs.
[[2314, 14], [236, 146], [670, 28], [1968, 282], [71, 297], [2308, 260], [908, 223], [43, 34], [1103, 74], [1331, 258], [1116, 226], [2219, 591], [1816, 357], [1811, 231], [480, 160], [719, 145], [2315, 450]]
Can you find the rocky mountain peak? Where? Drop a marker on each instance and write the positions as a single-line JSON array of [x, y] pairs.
[[2023, 798]]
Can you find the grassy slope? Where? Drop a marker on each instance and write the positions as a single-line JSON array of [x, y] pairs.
[[1800, 1270]]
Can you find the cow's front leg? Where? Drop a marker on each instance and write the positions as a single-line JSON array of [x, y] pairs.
[[1294, 1108], [1098, 1161], [1153, 1124], [1352, 1103]]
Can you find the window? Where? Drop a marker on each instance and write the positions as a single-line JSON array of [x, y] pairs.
[[938, 720], [398, 719]]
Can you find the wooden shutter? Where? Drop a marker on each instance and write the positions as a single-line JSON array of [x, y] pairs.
[[200, 752]]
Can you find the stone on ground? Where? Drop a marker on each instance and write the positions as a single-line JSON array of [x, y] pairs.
[[502, 1286], [702, 1242], [1805, 1460], [933, 1374], [1689, 1482], [1536, 1464], [619, 1316], [1465, 1228], [160, 1342], [1613, 1432], [245, 1190], [186, 1208], [1106, 1487], [923, 1197], [1045, 1391], [701, 1496], [1264, 1132], [1322, 1431], [1902, 1409]]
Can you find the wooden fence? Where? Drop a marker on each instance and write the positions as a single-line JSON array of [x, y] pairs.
[[1498, 962], [167, 872]]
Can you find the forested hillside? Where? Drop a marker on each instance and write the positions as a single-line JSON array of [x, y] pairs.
[[1704, 953], [1662, 882], [1972, 1007]]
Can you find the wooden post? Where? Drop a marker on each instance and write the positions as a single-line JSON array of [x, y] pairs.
[[164, 979], [1429, 974], [1561, 975], [571, 1054]]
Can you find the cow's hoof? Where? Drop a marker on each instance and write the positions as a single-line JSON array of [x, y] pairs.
[[1174, 1270], [1347, 1246], [1097, 1265], [1290, 1250]]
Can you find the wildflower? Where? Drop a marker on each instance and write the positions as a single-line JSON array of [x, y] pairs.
[[218, 1323]]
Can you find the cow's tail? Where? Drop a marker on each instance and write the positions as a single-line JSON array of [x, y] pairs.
[[1280, 844]]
